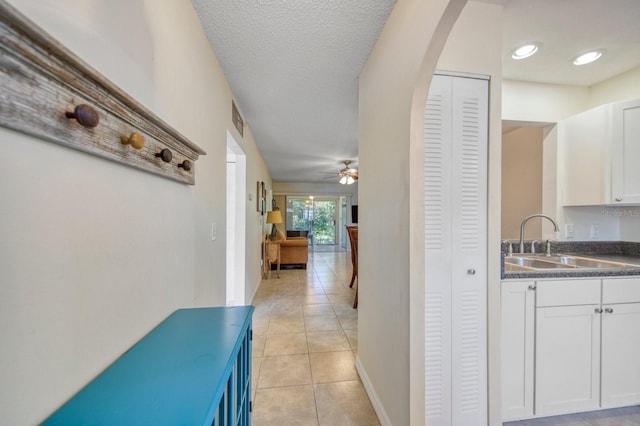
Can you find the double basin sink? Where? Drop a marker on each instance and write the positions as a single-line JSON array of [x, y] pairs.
[[541, 262]]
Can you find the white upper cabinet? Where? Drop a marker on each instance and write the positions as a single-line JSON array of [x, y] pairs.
[[625, 173], [600, 150]]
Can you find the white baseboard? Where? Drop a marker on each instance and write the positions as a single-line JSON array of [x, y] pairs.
[[255, 291], [373, 396]]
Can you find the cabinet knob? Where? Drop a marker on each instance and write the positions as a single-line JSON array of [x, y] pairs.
[[165, 155], [618, 198], [85, 115], [532, 287], [609, 310], [598, 310], [136, 140], [471, 271]]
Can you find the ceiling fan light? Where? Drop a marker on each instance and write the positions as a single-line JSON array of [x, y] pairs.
[[343, 180], [525, 51], [350, 180], [587, 58]]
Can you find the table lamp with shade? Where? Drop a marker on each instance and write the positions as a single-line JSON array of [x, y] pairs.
[[274, 217]]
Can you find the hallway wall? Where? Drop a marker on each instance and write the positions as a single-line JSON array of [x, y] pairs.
[[93, 253], [404, 57], [466, 38]]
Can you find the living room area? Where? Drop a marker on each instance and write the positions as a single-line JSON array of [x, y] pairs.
[[320, 213]]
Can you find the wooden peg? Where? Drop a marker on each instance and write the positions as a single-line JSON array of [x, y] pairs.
[[85, 115], [136, 140], [165, 155]]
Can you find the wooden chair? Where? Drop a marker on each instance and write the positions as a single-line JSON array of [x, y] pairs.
[[353, 240]]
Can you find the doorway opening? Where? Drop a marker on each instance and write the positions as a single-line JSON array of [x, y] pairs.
[[321, 219], [236, 222], [529, 177]]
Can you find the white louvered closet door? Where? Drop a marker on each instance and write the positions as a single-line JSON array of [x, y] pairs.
[[455, 178]]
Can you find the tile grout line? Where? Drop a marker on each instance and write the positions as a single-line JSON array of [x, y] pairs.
[[304, 283]]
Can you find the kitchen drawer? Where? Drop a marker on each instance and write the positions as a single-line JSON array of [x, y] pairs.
[[621, 290], [567, 292]]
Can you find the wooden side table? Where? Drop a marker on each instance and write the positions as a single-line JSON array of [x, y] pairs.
[[271, 255]]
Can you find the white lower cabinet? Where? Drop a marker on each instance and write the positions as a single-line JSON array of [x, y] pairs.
[[567, 359], [567, 354], [518, 327], [620, 355], [582, 351], [620, 342]]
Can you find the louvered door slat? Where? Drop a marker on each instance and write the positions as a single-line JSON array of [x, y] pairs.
[[455, 179]]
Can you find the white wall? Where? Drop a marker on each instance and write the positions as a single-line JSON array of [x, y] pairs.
[[539, 102], [619, 88], [392, 92], [93, 253]]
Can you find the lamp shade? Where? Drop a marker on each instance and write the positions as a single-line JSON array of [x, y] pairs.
[[274, 216]]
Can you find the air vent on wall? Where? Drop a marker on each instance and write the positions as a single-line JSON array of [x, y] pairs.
[[237, 118]]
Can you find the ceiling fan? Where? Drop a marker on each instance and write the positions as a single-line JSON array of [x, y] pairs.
[[347, 175]]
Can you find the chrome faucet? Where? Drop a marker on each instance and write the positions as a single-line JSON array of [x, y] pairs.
[[533, 246], [524, 222]]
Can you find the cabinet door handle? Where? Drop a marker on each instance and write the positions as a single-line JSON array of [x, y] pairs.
[[471, 271], [532, 287], [618, 198], [598, 310], [609, 310]]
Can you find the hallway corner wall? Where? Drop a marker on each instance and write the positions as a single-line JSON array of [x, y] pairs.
[[94, 254]]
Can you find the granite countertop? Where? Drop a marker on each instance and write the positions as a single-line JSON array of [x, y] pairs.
[[615, 251]]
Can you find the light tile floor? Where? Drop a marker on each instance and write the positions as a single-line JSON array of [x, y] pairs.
[[305, 338]]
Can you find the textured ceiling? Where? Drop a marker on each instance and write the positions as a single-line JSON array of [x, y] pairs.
[[293, 66]]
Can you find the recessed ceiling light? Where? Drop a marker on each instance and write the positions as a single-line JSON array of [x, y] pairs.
[[587, 58], [525, 51]]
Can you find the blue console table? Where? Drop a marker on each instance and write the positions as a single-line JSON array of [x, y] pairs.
[[194, 368]]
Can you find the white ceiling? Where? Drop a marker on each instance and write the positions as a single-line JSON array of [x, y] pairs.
[[293, 65], [567, 28]]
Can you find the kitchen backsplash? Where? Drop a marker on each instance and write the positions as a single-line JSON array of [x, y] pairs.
[[582, 247]]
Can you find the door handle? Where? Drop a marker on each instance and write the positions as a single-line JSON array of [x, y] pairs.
[[471, 271]]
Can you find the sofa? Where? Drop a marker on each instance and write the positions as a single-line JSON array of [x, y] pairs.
[[293, 250]]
